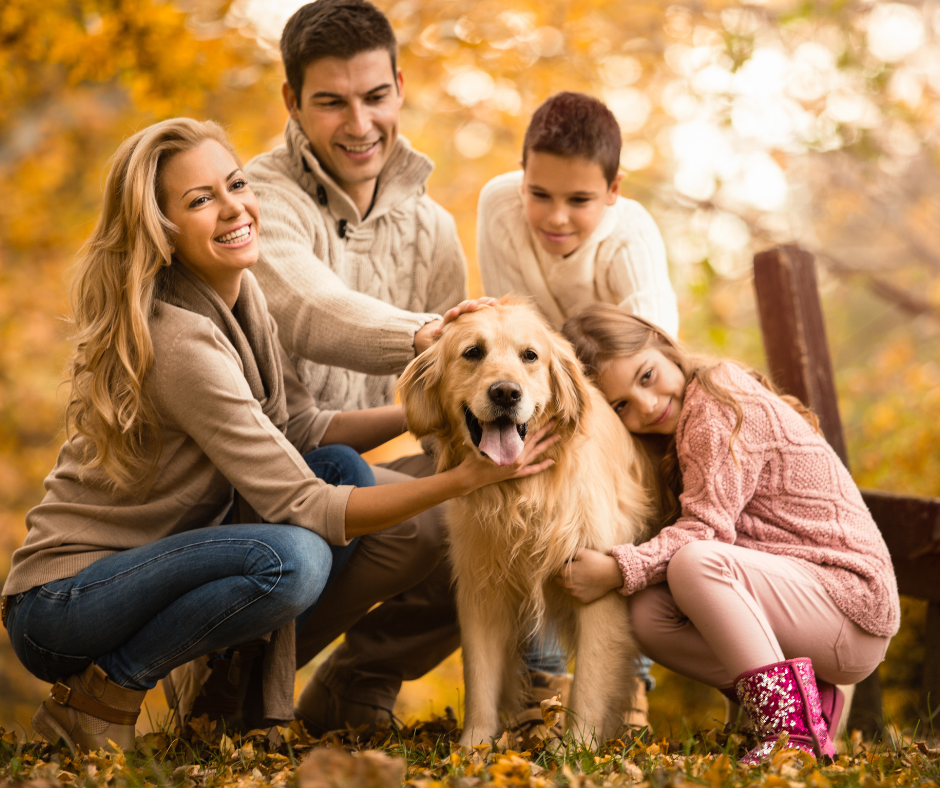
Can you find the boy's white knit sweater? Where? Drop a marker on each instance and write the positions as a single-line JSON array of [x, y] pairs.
[[623, 262], [348, 292]]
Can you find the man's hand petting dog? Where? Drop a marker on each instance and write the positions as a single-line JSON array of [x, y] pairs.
[[425, 336], [478, 470], [590, 575]]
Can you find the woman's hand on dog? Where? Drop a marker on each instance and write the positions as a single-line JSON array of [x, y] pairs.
[[478, 470], [590, 575]]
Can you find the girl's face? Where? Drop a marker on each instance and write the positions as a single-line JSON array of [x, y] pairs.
[[208, 199], [645, 390]]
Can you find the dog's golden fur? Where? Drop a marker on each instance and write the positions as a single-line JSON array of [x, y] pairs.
[[508, 540]]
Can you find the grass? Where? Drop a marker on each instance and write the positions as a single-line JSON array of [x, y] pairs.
[[425, 755]]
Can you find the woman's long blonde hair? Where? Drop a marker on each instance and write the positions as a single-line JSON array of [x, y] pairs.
[[110, 420], [602, 333]]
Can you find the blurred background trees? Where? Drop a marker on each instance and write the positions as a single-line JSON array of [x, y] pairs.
[[744, 125]]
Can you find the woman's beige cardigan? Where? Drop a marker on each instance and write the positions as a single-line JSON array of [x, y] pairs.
[[215, 440]]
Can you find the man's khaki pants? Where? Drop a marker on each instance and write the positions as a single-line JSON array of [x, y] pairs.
[[393, 600]]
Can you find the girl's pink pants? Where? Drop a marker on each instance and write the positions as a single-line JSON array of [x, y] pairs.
[[724, 610]]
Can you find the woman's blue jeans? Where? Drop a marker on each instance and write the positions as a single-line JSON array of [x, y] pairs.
[[142, 612]]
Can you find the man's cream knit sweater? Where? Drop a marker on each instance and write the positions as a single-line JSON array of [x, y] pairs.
[[349, 292], [623, 262]]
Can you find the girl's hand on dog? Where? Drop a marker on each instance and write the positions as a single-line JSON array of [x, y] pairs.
[[479, 470], [590, 575]]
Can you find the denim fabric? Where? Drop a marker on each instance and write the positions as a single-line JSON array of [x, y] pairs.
[[142, 612], [544, 653], [643, 665]]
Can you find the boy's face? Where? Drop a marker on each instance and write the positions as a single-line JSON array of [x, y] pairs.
[[349, 111], [564, 199]]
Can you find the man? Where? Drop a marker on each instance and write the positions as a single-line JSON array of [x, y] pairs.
[[357, 264], [356, 259]]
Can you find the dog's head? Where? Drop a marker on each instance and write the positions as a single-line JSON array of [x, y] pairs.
[[493, 375]]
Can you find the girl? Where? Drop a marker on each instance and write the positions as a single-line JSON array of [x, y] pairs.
[[184, 412], [774, 570]]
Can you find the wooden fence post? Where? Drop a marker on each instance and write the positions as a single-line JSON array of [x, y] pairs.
[[794, 332], [930, 690], [791, 321]]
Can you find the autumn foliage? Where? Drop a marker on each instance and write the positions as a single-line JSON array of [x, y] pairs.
[[744, 125]]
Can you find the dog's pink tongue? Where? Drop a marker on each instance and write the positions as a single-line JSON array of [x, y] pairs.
[[500, 442]]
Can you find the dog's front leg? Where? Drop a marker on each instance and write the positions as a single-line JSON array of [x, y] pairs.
[[487, 632], [604, 670]]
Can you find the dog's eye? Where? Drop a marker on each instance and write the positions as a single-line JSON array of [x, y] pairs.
[[530, 355], [473, 353]]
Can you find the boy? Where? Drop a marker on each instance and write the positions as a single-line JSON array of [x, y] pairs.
[[560, 232]]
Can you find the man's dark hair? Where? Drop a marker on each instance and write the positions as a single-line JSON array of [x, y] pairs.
[[574, 124], [333, 28]]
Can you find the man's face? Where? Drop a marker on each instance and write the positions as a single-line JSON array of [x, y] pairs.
[[349, 110]]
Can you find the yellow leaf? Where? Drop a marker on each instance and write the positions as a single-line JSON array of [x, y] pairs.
[[551, 710]]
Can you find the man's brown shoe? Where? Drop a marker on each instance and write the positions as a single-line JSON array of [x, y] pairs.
[[322, 710]]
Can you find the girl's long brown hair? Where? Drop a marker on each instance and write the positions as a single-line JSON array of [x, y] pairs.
[[110, 420], [602, 333]]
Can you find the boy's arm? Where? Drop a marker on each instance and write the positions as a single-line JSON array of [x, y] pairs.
[[638, 273], [319, 317]]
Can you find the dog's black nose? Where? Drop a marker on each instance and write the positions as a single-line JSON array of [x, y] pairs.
[[505, 392]]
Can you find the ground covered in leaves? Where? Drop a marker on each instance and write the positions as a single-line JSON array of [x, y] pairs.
[[425, 755]]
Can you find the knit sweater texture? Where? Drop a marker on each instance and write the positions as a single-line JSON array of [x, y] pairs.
[[349, 292], [623, 262], [783, 491], [215, 438]]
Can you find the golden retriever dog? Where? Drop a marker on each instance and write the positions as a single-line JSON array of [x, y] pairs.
[[493, 375]]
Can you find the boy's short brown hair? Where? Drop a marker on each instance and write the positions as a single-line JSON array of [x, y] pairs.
[[574, 124], [333, 28]]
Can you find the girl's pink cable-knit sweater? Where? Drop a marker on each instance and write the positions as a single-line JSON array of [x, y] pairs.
[[787, 494]]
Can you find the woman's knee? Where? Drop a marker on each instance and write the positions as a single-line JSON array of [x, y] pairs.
[[300, 561], [339, 464]]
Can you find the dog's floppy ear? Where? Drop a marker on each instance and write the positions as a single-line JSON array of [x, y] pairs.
[[418, 389], [569, 384]]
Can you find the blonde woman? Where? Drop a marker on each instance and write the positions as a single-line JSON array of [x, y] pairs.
[[184, 412]]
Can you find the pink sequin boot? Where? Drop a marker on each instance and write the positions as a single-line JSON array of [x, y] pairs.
[[832, 700], [783, 698]]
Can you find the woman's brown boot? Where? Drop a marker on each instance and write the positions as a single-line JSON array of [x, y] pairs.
[[87, 709]]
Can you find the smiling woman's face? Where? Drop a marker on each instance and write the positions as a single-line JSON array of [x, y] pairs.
[[206, 196], [645, 390]]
